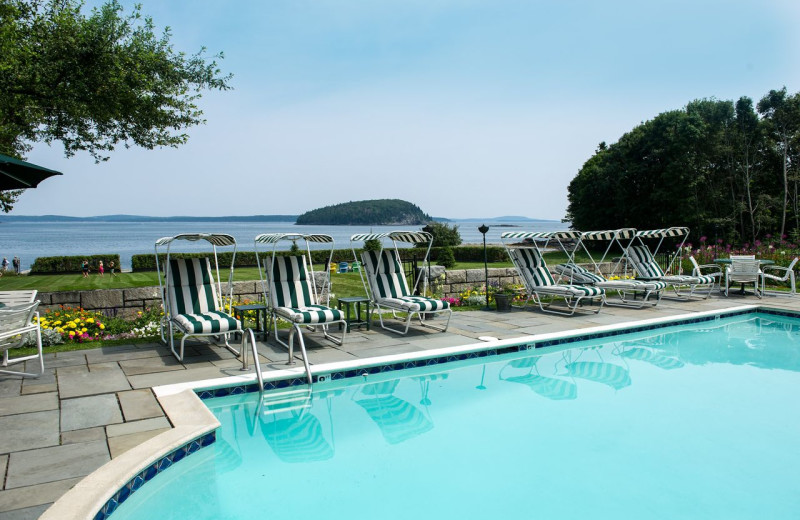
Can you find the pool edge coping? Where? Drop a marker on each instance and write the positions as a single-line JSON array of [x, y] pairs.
[[191, 419]]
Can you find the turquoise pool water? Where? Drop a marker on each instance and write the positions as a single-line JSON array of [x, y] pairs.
[[694, 421]]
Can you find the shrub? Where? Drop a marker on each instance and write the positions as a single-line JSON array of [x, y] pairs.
[[70, 264], [446, 258]]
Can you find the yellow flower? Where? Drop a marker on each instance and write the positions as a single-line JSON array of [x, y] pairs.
[[83, 329], [102, 327], [89, 320], [71, 334]]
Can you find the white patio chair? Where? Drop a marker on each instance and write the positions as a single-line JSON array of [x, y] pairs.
[[786, 276], [743, 271], [16, 322], [712, 270]]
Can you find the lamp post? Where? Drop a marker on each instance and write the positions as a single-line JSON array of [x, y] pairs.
[[484, 229]]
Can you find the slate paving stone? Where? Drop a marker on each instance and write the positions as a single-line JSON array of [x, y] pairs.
[[10, 386], [28, 403], [87, 412], [29, 513], [29, 496], [150, 365], [66, 359], [123, 443], [80, 381], [97, 433], [27, 468], [113, 355], [156, 423], [29, 431], [139, 404], [39, 389], [47, 377]]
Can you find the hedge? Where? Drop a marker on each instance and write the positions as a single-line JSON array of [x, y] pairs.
[[248, 258], [71, 264]]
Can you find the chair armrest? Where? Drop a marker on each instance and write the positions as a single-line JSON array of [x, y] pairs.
[[715, 267], [774, 268]]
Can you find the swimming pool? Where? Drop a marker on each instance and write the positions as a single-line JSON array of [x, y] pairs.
[[689, 421]]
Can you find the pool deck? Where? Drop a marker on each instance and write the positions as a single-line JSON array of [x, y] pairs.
[[91, 406]]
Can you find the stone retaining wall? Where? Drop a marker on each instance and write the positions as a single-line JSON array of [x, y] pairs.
[[452, 284]]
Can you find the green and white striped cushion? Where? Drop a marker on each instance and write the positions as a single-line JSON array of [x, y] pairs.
[[704, 279], [534, 267], [416, 303], [386, 272], [289, 284], [292, 295], [579, 274], [574, 291], [193, 297], [210, 322], [310, 314], [644, 263], [191, 286]]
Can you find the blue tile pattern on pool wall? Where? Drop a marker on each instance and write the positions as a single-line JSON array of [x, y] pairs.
[[151, 471], [272, 385]]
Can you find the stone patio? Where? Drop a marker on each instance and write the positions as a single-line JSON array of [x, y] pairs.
[[90, 406]]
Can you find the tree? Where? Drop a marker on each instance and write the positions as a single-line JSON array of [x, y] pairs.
[[443, 234], [94, 82], [782, 117]]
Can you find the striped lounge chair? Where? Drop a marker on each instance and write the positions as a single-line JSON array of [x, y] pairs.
[[389, 290], [648, 269], [627, 290], [542, 287], [193, 306], [293, 298]]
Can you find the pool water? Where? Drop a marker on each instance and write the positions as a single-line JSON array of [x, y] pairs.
[[695, 421]]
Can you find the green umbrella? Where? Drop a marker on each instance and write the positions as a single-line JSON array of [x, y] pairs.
[[19, 175]]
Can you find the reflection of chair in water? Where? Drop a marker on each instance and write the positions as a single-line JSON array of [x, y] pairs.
[[397, 419], [608, 374], [296, 436], [648, 355], [549, 387]]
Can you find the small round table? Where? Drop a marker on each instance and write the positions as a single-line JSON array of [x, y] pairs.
[[357, 320]]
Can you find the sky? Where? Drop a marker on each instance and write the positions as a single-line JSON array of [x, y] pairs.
[[466, 108]]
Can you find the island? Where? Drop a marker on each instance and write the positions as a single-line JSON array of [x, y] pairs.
[[380, 212]]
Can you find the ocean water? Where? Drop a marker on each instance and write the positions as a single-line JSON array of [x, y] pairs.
[[29, 240]]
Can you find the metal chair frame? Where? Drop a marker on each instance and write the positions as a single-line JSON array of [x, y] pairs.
[[168, 322], [367, 278], [265, 274]]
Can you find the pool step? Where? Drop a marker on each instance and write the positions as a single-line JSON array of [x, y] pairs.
[[284, 401]]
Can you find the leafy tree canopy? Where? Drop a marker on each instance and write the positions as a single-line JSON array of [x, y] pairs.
[[444, 235], [94, 82], [723, 168]]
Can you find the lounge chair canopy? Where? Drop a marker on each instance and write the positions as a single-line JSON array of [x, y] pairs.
[[664, 233], [216, 239], [272, 238], [408, 237], [609, 234], [541, 235]]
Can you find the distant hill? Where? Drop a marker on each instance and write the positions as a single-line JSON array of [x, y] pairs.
[[510, 218], [141, 218], [382, 212]]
